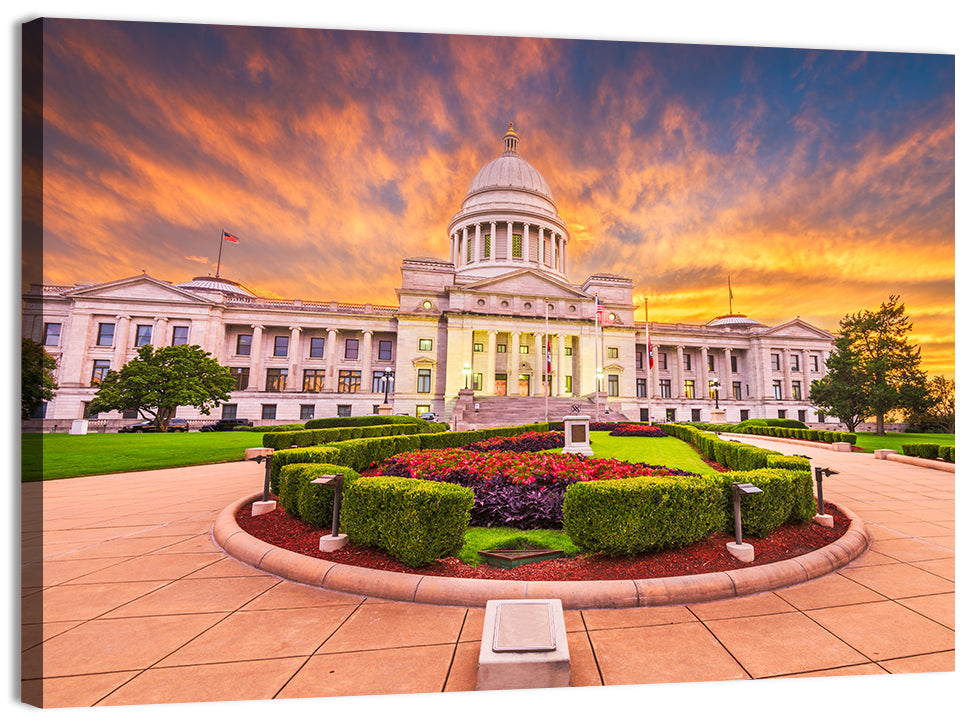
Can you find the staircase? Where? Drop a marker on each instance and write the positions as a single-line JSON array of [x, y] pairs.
[[516, 410]]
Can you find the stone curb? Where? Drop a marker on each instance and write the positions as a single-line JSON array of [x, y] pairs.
[[922, 462], [474, 592]]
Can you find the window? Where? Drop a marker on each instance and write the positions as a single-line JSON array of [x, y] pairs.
[[689, 389], [179, 335], [695, 415], [794, 362], [468, 251], [313, 380], [349, 381], [665, 388], [795, 390], [821, 418], [568, 350], [100, 371], [129, 414], [733, 366], [351, 349], [711, 363], [143, 335], [316, 348], [343, 411], [662, 361], [670, 415], [639, 359], [244, 344], [307, 412], [276, 380], [568, 382], [424, 344], [477, 381], [384, 350], [500, 348], [813, 363], [487, 251], [419, 410], [229, 411], [378, 382], [612, 352], [269, 411], [613, 382], [86, 411], [41, 411], [737, 391], [777, 390], [478, 348], [516, 245], [640, 387], [687, 364], [51, 333], [644, 415], [105, 334], [782, 413], [424, 380], [240, 378], [802, 416], [281, 346], [524, 349], [744, 415], [775, 361]]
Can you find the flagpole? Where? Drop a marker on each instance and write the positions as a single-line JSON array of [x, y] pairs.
[[596, 370], [730, 289], [649, 365], [546, 363], [217, 273]]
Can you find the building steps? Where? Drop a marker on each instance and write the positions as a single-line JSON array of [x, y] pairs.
[[494, 411]]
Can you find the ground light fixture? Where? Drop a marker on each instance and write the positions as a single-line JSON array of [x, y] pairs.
[[824, 519], [743, 551], [259, 455], [333, 541]]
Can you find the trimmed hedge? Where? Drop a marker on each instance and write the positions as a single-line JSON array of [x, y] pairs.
[[804, 434], [414, 521], [787, 498], [356, 421], [794, 463], [946, 453], [732, 454], [311, 502], [921, 450], [322, 436]]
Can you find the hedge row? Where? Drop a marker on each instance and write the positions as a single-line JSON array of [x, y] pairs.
[[928, 450], [804, 434], [946, 453], [636, 515], [414, 521], [355, 421], [311, 502], [321, 436]]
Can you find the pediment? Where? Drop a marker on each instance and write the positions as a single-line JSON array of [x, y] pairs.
[[526, 283], [139, 287], [798, 330]]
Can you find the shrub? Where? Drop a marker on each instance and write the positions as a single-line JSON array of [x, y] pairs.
[[921, 450], [316, 454], [946, 453], [796, 463], [787, 497], [634, 515], [414, 521], [311, 502], [636, 429], [272, 429]]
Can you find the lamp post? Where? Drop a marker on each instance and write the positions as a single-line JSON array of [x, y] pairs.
[[387, 378], [467, 369], [743, 551], [715, 390]]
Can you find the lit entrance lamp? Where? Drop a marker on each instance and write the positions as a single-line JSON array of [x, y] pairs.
[[387, 379], [467, 370], [743, 551], [824, 519], [716, 415], [333, 541]]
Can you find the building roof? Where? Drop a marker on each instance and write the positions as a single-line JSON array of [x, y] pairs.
[[732, 320], [210, 284]]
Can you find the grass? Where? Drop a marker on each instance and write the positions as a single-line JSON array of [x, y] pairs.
[[870, 442], [486, 539], [49, 456], [670, 452]]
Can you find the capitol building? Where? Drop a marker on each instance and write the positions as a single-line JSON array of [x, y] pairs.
[[467, 339]]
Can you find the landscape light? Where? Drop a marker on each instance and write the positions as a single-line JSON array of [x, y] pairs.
[[332, 542], [822, 518], [387, 378], [743, 551], [262, 454]]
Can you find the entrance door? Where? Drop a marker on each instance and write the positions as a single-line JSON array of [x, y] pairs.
[[523, 385], [500, 384]]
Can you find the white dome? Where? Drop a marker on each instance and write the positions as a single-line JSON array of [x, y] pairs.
[[207, 284], [734, 320]]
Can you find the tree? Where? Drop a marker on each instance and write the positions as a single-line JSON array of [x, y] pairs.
[[938, 415], [159, 380], [37, 377], [873, 368]]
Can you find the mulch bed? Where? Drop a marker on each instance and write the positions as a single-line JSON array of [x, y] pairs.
[[707, 556]]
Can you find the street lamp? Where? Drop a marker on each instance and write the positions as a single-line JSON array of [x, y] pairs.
[[715, 390], [467, 369], [387, 377]]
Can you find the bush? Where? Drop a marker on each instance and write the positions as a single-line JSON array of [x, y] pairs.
[[272, 429], [322, 436], [921, 450], [795, 463], [311, 502], [414, 521], [634, 515], [946, 453], [787, 498]]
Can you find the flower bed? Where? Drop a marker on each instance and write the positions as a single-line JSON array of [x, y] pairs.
[[636, 429], [531, 442]]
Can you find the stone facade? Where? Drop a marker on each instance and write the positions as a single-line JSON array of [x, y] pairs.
[[478, 320]]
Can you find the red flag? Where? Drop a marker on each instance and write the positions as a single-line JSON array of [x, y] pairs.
[[230, 238], [548, 357], [650, 354]]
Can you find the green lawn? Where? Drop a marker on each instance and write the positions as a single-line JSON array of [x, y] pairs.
[[670, 452], [483, 539], [870, 442], [60, 455]]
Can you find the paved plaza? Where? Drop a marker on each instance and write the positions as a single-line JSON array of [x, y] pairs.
[[127, 600]]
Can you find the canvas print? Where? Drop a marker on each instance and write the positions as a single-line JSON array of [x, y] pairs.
[[366, 363]]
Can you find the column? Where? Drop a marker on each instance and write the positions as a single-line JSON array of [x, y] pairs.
[[488, 380], [512, 371], [159, 338], [766, 372], [702, 376], [452, 256], [255, 381], [726, 391], [558, 371], [479, 247], [538, 367], [492, 240], [508, 242], [652, 374], [525, 243], [366, 362], [805, 391], [565, 252], [787, 388], [331, 351], [122, 331], [294, 358], [552, 249], [541, 250], [679, 373]]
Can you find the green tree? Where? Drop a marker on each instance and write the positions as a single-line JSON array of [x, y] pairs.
[[159, 380], [938, 415], [37, 377], [873, 368]]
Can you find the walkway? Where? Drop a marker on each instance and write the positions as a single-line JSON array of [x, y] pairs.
[[134, 604]]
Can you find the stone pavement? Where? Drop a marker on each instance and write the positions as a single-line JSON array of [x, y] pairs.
[[127, 600]]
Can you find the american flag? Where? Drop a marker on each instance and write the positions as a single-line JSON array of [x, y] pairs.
[[229, 237], [600, 312]]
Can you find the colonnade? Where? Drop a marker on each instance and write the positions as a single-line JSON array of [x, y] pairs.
[[541, 244]]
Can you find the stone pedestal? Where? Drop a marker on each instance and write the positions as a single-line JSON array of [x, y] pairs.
[[717, 415], [78, 427], [260, 507], [385, 409], [882, 453], [742, 551], [576, 430], [523, 645], [842, 447], [332, 543], [824, 519]]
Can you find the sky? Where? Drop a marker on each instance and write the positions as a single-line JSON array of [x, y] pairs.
[[816, 182]]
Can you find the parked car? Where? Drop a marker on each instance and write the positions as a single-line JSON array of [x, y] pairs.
[[431, 417], [175, 425], [226, 424]]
